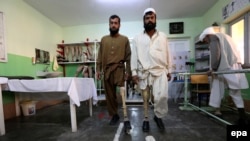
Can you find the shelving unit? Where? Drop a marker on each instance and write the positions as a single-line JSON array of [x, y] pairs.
[[201, 57], [202, 64], [72, 55], [202, 54]]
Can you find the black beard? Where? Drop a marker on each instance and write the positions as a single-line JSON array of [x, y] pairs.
[[149, 26], [113, 31]]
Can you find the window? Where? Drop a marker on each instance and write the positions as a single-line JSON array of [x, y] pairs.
[[240, 32]]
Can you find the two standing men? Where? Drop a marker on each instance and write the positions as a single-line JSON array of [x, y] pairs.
[[150, 65]]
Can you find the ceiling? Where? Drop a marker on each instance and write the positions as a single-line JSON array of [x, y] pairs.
[[82, 12]]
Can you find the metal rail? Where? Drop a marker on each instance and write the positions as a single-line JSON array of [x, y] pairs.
[[189, 106]]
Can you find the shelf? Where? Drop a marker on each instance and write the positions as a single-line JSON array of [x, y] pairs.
[[202, 58], [76, 44], [77, 56], [72, 44], [87, 62], [201, 48]]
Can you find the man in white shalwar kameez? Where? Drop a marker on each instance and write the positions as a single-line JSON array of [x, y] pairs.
[[150, 65], [224, 56]]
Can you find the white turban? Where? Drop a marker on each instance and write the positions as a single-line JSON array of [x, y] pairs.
[[149, 10], [209, 30]]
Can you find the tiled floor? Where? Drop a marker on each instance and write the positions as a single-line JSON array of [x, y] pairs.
[[53, 124]]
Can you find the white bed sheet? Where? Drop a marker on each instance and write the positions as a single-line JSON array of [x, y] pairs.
[[3, 80], [78, 89]]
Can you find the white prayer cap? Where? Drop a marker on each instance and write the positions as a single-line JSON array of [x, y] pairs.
[[209, 30], [149, 10]]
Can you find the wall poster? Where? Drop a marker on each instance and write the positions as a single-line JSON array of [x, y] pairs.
[[3, 52], [179, 49]]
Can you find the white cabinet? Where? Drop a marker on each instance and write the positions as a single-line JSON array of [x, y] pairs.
[[79, 59]]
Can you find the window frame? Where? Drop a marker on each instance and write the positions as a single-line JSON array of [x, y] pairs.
[[246, 18]]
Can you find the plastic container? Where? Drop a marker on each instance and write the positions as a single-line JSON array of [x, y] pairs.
[[28, 107]]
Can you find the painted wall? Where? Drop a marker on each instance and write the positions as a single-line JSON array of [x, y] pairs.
[[73, 34], [25, 30], [214, 14]]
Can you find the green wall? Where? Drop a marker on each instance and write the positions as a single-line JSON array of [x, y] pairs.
[[20, 66], [71, 70], [246, 92]]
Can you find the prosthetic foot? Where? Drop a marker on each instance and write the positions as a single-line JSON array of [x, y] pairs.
[[145, 126], [127, 125]]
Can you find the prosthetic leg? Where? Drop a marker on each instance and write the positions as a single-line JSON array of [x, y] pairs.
[[78, 70], [127, 125], [90, 71], [145, 95], [82, 69]]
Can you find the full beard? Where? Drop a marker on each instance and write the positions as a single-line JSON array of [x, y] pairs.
[[113, 31], [149, 26]]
